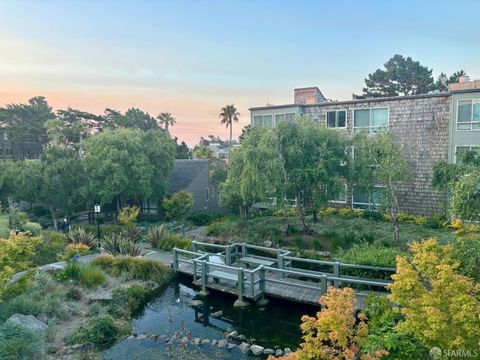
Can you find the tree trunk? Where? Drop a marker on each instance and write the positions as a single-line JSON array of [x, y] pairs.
[[301, 212], [231, 123], [54, 218], [396, 229], [315, 216]]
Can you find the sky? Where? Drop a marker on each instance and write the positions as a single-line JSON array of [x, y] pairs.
[[193, 57]]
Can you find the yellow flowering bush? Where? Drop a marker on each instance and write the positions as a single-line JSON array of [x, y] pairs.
[[73, 249]]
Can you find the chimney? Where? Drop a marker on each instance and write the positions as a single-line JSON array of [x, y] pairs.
[[308, 95], [464, 79]]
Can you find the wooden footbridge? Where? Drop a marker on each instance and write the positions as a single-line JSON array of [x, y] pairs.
[[255, 272]]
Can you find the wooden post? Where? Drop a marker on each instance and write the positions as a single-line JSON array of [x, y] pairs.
[[280, 259], [252, 284], [323, 284], [240, 284], [228, 255], [175, 260], [194, 246], [244, 250], [261, 274], [204, 276], [194, 271], [336, 273]]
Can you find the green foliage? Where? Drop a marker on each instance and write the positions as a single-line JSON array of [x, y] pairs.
[[229, 115], [105, 229], [289, 212], [134, 268], [73, 293], [202, 218], [130, 163], [80, 236], [328, 211], [170, 241], [132, 233], [19, 287], [466, 250], [118, 245], [465, 201], [177, 205], [382, 320], [72, 271], [102, 332], [92, 277], [22, 304], [401, 76], [128, 215], [370, 254], [18, 343], [156, 234], [128, 301], [214, 229], [373, 215]]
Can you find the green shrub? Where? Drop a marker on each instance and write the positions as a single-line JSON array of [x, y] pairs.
[[118, 245], [105, 229], [299, 242], [53, 244], [370, 254], [317, 245], [18, 343], [172, 240], [19, 287], [419, 220], [291, 230], [23, 304], [134, 268], [202, 218], [156, 234], [343, 241], [466, 250], [73, 293], [132, 233], [102, 332], [32, 228], [177, 205], [345, 212], [436, 222], [80, 236], [71, 271], [290, 212], [92, 277], [373, 215], [328, 211], [214, 229], [128, 301]]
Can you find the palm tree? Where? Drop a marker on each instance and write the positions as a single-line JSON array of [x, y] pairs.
[[166, 119], [228, 115]]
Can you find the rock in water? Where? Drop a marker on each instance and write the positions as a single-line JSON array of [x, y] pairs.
[[269, 351], [217, 314], [241, 338], [29, 322], [287, 351], [222, 343], [233, 334], [244, 347], [278, 352], [196, 303], [256, 349], [231, 346]]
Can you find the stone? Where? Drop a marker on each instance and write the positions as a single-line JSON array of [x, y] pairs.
[[217, 314], [142, 337], [256, 349], [82, 347], [244, 347], [131, 337], [230, 346], [241, 338], [29, 322], [214, 342], [287, 351], [196, 341], [184, 340], [233, 334], [43, 318], [196, 303], [240, 304], [162, 338], [278, 352], [205, 341], [101, 295], [269, 351], [222, 343]]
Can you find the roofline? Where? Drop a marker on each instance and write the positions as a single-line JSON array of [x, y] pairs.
[[463, 91], [359, 101]]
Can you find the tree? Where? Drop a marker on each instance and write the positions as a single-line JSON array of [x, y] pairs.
[[228, 115], [379, 162], [441, 307], [166, 119], [128, 164], [202, 152], [177, 205], [443, 81], [24, 125], [183, 152], [401, 76], [132, 119], [256, 172], [314, 160], [336, 332]]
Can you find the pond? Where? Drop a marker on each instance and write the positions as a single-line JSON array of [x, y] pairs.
[[171, 314]]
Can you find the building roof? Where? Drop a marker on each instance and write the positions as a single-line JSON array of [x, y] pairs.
[[356, 101], [184, 172]]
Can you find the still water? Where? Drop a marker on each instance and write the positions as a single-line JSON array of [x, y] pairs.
[[170, 312]]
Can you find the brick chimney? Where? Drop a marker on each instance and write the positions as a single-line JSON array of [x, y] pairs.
[[308, 95], [464, 83]]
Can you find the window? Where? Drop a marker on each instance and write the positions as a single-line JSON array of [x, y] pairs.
[[336, 119], [461, 151], [339, 197], [468, 115], [263, 120], [290, 116], [361, 199], [258, 120], [279, 118], [371, 120]]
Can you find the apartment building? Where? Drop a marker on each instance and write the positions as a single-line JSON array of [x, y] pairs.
[[429, 128]]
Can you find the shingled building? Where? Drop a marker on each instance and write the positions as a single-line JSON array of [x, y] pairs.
[[429, 128]]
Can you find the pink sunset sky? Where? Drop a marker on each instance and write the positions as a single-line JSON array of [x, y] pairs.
[[193, 57]]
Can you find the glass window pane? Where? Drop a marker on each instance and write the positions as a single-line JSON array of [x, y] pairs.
[[379, 117], [360, 196], [258, 120], [464, 111], [463, 126], [476, 112], [331, 119], [476, 126], [341, 118], [279, 118], [268, 120], [362, 118], [290, 116]]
